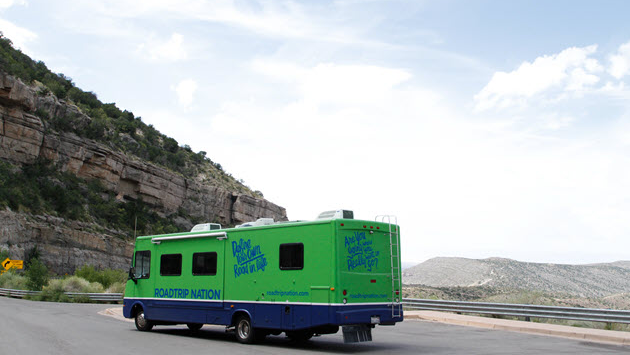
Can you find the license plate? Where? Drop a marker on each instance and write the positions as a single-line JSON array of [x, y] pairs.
[[375, 319]]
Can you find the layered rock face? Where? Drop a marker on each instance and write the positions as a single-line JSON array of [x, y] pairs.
[[63, 245], [24, 137]]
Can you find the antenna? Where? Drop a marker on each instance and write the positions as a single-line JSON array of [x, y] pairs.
[[135, 227]]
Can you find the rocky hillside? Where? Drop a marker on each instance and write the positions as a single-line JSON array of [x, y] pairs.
[[595, 280], [76, 175]]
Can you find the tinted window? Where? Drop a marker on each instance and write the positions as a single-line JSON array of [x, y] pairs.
[[143, 264], [171, 265], [204, 263], [292, 256]]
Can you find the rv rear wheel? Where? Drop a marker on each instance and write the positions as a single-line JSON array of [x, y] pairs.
[[143, 324], [245, 333]]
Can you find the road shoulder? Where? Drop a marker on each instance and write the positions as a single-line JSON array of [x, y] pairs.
[[584, 334]]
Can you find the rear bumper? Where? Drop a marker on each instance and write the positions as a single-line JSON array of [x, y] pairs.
[[368, 314]]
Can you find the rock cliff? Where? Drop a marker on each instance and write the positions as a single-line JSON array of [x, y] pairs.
[[26, 136]]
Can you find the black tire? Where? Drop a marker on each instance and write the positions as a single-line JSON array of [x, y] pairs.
[[194, 326], [245, 333], [300, 335], [142, 324]]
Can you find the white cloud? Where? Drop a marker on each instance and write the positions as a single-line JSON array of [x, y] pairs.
[[570, 70], [171, 50], [554, 121], [18, 35], [185, 91], [5, 4], [620, 62], [333, 83], [286, 19]]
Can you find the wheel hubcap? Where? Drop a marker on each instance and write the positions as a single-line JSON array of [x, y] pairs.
[[141, 320], [243, 329]]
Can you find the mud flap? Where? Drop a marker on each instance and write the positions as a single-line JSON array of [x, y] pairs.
[[356, 333]]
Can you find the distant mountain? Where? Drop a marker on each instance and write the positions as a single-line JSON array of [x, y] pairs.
[[593, 280]]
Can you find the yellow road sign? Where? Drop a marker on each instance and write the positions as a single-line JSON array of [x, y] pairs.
[[8, 263]]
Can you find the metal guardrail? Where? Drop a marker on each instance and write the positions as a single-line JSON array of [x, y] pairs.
[[101, 297], [520, 310], [16, 293]]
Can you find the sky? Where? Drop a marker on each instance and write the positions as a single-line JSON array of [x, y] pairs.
[[488, 128]]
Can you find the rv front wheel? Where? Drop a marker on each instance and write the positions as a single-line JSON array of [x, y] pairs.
[[142, 323], [244, 331]]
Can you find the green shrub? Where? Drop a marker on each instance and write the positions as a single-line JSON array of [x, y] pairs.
[[12, 280], [54, 292], [93, 287], [36, 275], [56, 289], [74, 284], [116, 287], [104, 277]]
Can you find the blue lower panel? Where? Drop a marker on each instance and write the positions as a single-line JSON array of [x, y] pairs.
[[264, 315], [363, 314], [179, 311]]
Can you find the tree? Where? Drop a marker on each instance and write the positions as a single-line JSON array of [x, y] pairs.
[[36, 275]]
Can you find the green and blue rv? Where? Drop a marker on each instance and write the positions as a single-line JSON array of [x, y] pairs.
[[303, 278]]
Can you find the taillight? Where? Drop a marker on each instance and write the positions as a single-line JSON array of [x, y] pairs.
[[345, 292]]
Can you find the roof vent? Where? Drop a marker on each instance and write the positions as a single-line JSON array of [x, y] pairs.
[[345, 214], [205, 227], [257, 223]]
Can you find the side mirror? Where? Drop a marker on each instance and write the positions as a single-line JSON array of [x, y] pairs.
[[132, 275]]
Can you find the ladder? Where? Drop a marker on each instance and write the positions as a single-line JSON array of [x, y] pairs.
[[394, 249]]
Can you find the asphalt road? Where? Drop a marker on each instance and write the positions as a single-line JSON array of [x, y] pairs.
[[28, 327]]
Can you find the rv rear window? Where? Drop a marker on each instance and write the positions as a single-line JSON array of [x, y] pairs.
[[143, 264], [292, 256], [171, 265], [204, 264]]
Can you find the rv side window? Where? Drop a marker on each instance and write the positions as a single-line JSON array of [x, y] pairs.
[[292, 256], [204, 264], [143, 264], [171, 265]]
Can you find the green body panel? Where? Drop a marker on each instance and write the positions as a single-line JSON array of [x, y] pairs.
[[338, 255], [365, 262]]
